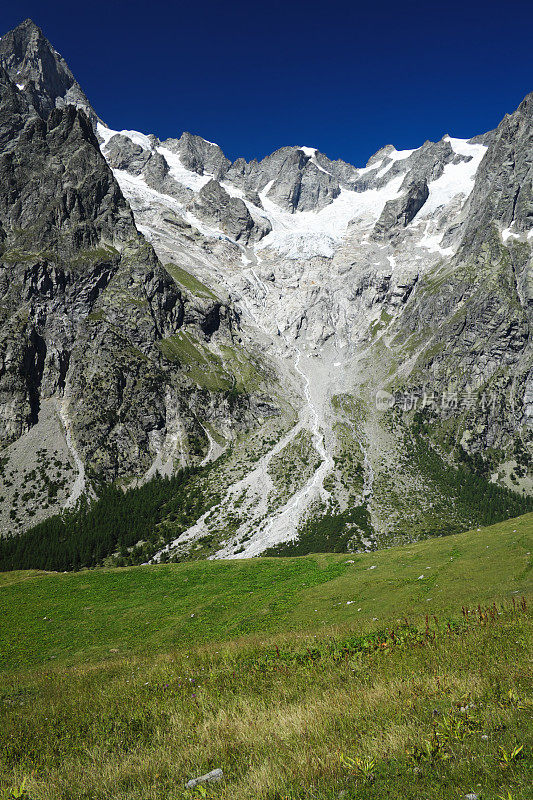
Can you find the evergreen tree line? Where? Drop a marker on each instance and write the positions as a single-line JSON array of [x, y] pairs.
[[468, 488], [114, 523], [125, 524], [327, 533]]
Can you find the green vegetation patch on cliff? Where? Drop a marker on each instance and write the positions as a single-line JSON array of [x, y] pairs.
[[225, 371], [203, 366], [189, 282], [97, 255]]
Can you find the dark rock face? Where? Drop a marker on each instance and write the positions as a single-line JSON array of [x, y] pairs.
[[400, 212], [16, 110], [84, 302], [480, 316], [214, 205], [503, 189], [51, 171], [65, 224], [33, 64]]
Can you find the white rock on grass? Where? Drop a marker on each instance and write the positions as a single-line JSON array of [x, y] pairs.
[[210, 777]]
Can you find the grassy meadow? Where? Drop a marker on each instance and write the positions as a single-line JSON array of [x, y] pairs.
[[327, 676]]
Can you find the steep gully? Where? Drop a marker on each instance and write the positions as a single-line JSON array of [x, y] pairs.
[[248, 497]]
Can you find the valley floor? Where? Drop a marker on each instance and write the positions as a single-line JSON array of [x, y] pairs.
[[124, 684]]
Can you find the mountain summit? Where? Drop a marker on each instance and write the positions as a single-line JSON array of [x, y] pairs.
[[35, 67], [342, 353]]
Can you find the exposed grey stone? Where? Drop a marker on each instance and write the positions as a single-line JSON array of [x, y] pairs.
[[345, 173], [400, 212], [214, 205], [297, 180], [483, 138], [382, 154], [122, 153], [199, 155], [31, 61], [503, 190], [210, 777]]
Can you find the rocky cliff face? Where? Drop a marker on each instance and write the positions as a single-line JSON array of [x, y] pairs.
[[323, 319], [101, 348], [40, 72], [476, 307]]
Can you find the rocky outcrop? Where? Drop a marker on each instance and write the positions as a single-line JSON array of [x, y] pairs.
[[123, 153], [292, 178], [400, 212], [298, 183], [503, 191], [478, 309], [215, 206], [199, 155], [40, 72], [66, 227]]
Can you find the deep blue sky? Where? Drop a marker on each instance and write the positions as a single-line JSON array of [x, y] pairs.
[[345, 77]]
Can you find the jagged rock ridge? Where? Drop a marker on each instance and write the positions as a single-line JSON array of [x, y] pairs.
[[39, 71]]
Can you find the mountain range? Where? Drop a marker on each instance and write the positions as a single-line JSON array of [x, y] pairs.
[[341, 354]]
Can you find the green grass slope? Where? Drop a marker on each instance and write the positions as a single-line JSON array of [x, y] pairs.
[[72, 617], [123, 684]]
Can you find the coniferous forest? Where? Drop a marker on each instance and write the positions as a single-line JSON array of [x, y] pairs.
[[123, 524], [124, 528]]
